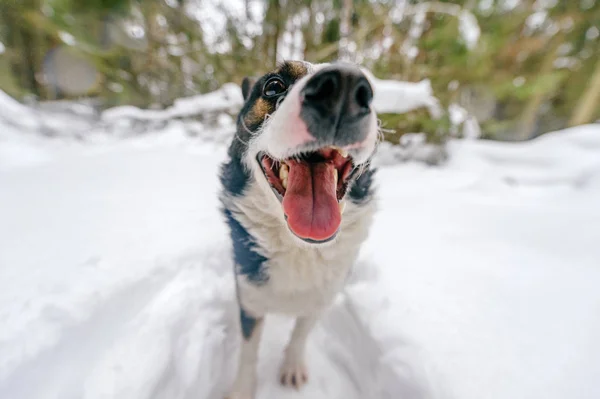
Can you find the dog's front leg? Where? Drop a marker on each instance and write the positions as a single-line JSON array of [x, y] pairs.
[[245, 382], [293, 369]]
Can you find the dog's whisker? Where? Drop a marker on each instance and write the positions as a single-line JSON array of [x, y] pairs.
[[245, 127], [240, 140]]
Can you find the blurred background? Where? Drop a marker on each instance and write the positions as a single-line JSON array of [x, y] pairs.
[[479, 278], [519, 68]]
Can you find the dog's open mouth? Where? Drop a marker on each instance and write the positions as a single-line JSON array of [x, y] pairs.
[[311, 187]]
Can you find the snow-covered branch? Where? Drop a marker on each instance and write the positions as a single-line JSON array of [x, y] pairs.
[[468, 26]]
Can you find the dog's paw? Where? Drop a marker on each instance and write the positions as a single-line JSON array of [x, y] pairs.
[[293, 373]]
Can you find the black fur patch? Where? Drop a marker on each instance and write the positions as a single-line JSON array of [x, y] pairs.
[[361, 190], [248, 262], [234, 177]]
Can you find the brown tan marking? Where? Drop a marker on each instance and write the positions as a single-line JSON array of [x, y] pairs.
[[297, 69], [259, 111]]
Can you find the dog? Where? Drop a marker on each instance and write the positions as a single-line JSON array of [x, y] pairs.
[[298, 196]]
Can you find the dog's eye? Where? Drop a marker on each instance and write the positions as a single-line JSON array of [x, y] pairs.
[[273, 87]]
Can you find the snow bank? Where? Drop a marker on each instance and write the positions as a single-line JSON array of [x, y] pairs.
[[397, 97], [479, 278], [47, 121], [570, 157], [464, 125], [412, 147], [80, 121], [227, 99], [14, 113]]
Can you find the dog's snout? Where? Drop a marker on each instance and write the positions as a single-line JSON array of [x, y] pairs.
[[335, 102], [339, 90]]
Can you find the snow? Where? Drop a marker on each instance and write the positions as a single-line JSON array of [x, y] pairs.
[[504, 239], [67, 38], [469, 29], [14, 113], [479, 278], [228, 97], [411, 147], [466, 125], [14, 116], [393, 96], [84, 122]]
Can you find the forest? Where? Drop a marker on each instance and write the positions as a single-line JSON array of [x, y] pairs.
[[521, 68]]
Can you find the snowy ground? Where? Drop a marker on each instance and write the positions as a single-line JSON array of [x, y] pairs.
[[480, 279]]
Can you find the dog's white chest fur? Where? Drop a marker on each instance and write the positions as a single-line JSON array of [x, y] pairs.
[[301, 281], [302, 278]]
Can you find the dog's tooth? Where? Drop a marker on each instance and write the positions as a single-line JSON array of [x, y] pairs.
[[340, 151], [284, 182], [342, 205], [283, 172], [335, 176]]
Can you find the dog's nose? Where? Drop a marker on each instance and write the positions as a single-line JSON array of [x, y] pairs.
[[334, 98], [339, 89]]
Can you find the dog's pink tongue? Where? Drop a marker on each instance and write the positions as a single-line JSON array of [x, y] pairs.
[[310, 201]]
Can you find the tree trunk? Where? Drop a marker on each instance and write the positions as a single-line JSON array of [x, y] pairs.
[[345, 25], [246, 9], [309, 34], [530, 112], [277, 32], [271, 32], [589, 103], [22, 39]]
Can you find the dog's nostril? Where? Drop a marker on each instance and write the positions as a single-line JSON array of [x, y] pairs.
[[324, 87], [363, 94]]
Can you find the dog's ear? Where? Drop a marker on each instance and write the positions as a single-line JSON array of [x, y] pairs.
[[247, 85]]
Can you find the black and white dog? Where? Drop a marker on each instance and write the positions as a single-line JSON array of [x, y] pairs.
[[298, 198]]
